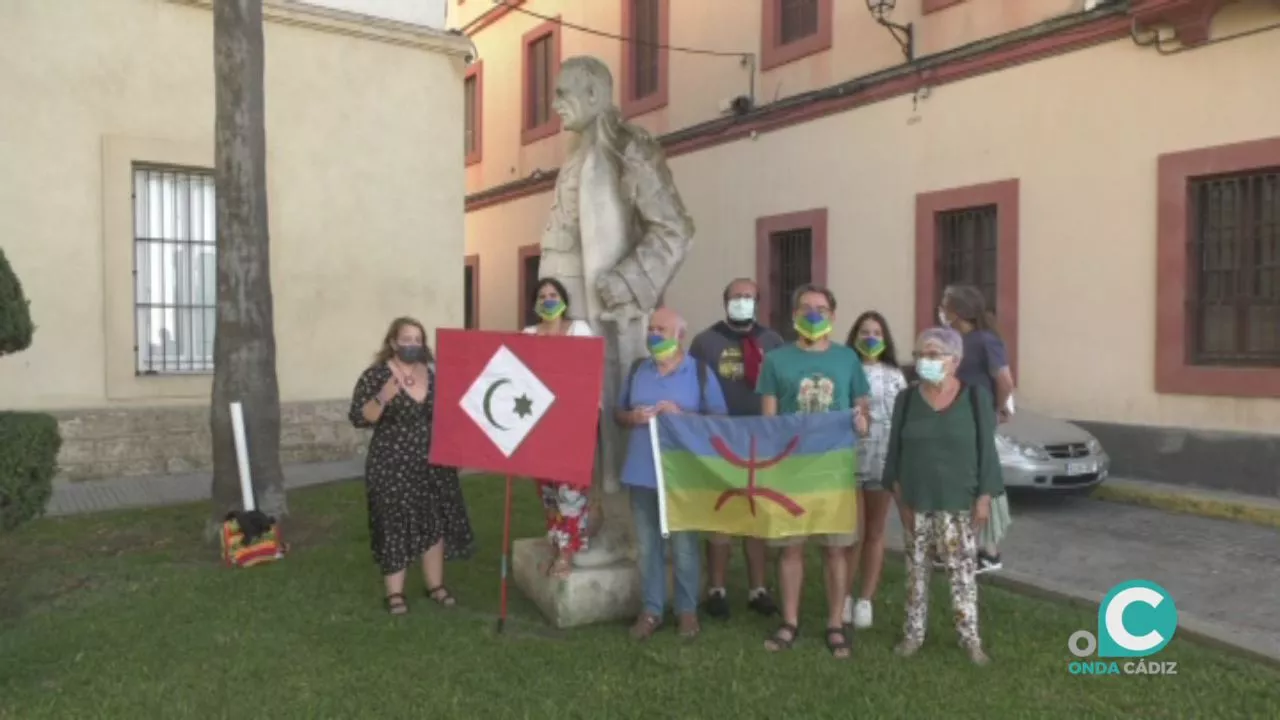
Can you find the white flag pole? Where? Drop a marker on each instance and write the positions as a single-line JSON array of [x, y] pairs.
[[662, 481], [242, 456]]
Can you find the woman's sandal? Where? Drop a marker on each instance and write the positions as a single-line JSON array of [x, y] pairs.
[[645, 626], [782, 638], [441, 596], [839, 644], [396, 604]]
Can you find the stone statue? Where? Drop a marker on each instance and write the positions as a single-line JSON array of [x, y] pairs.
[[617, 235]]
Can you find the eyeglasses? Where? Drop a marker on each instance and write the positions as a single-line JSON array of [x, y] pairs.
[[931, 355]]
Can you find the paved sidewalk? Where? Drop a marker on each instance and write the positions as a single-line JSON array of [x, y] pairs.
[[72, 498], [1224, 575]]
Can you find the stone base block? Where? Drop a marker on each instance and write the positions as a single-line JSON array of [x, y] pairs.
[[609, 593]]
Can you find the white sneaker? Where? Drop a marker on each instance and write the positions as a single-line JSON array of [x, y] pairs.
[[847, 613], [862, 614]]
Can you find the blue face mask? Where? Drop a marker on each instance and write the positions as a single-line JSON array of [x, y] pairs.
[[931, 370]]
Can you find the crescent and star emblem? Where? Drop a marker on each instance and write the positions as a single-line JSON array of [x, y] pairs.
[[523, 405]]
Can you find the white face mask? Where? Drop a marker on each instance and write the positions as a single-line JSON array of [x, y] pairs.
[[942, 318], [742, 309], [931, 370]]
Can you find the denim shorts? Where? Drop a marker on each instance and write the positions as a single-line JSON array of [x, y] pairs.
[[867, 481]]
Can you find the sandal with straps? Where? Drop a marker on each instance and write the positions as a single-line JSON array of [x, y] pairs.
[[441, 596], [783, 638], [838, 642], [645, 626], [396, 604]]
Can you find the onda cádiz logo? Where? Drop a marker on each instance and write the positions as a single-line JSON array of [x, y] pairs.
[[1136, 619]]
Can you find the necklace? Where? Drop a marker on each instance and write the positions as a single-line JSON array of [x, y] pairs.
[[406, 378]]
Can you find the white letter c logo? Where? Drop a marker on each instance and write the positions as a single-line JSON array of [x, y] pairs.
[[1115, 619]]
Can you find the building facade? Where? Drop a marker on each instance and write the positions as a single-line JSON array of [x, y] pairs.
[[107, 215], [1108, 171]]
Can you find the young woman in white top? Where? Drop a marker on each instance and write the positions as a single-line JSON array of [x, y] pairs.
[[870, 337], [567, 507]]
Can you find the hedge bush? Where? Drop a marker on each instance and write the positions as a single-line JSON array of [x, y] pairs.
[[29, 445], [16, 327]]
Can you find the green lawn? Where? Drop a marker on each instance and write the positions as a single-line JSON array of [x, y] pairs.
[[124, 615]]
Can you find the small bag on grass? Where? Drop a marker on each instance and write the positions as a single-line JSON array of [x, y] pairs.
[[251, 538]]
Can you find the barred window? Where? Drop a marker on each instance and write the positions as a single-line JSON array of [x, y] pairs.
[[967, 250], [790, 266], [541, 90], [471, 116], [175, 270], [798, 20], [644, 48], [469, 297], [1234, 267], [530, 270]]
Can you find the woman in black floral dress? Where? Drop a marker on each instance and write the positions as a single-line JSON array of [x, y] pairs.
[[416, 509]]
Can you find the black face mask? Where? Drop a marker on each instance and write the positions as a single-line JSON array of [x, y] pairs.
[[411, 353]]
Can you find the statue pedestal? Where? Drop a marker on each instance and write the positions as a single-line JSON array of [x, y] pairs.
[[606, 593], [605, 583]]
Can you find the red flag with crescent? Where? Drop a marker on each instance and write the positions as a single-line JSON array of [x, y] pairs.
[[516, 404]]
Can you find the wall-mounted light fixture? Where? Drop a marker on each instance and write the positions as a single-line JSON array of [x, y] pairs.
[[904, 34]]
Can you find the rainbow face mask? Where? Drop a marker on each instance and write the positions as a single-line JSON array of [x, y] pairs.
[[550, 309], [661, 347], [813, 326], [870, 347]]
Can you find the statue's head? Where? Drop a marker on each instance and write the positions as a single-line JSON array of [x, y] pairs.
[[584, 90]]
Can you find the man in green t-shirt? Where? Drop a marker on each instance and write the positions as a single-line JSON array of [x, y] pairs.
[[814, 375]]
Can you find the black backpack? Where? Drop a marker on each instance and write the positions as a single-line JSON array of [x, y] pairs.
[[973, 407], [702, 380]]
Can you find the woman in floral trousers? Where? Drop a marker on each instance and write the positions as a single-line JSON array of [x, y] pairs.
[[943, 466]]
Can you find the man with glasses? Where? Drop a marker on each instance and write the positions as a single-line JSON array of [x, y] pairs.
[[814, 375]]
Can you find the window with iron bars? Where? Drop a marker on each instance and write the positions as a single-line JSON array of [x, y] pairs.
[[174, 270], [968, 239], [531, 267], [790, 266], [540, 89], [471, 119], [644, 48], [1233, 262], [469, 295], [798, 19]]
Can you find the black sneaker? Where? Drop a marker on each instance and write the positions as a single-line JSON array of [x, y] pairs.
[[763, 603], [988, 563], [717, 605]]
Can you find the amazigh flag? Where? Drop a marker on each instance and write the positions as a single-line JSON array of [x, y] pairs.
[[766, 477]]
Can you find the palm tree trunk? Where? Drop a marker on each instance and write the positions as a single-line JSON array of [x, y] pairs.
[[245, 347]]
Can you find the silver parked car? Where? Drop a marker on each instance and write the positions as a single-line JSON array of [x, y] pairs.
[[1041, 453]]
